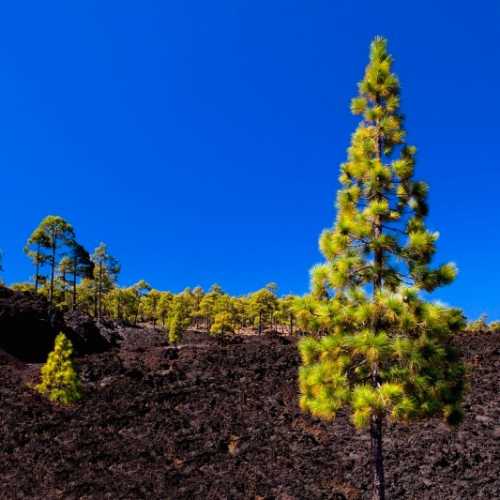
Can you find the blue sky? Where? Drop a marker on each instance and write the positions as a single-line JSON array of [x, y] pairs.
[[201, 140]]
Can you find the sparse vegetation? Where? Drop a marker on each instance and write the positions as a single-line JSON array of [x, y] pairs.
[[481, 325], [202, 368]]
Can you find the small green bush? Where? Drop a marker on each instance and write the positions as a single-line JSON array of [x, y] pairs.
[[59, 381]]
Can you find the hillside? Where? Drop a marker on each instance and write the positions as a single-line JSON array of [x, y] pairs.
[[213, 420]]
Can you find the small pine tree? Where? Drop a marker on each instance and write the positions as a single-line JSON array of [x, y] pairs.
[[223, 324], [262, 305], [174, 328], [59, 379], [387, 352], [179, 318]]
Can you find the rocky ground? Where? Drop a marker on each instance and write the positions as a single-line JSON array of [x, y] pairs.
[[221, 421]]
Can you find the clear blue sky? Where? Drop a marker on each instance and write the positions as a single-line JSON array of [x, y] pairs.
[[201, 140]]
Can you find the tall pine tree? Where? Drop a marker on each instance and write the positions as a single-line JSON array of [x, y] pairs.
[[387, 352], [80, 266], [45, 243], [106, 270], [34, 249]]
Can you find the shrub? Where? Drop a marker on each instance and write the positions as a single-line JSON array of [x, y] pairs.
[[59, 381]]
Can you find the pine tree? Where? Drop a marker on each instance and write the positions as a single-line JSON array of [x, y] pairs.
[[164, 306], [55, 233], [179, 318], [150, 305], [33, 250], [106, 270], [198, 294], [286, 312], [174, 327], [387, 353], [140, 290], [262, 305], [223, 323], [50, 236], [59, 379], [225, 315], [63, 270], [208, 303], [80, 266]]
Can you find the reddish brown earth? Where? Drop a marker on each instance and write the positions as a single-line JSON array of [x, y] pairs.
[[216, 421]]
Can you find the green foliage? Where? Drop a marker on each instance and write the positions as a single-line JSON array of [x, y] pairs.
[[164, 306], [105, 273], [37, 241], [223, 323], [150, 303], [59, 381], [53, 244], [22, 287], [410, 352], [121, 304], [180, 316], [45, 243], [207, 307], [286, 312], [387, 352], [174, 328], [79, 265], [479, 325], [198, 295], [494, 326], [262, 305]]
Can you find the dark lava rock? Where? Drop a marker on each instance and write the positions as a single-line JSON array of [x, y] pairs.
[[28, 328], [221, 421], [85, 334]]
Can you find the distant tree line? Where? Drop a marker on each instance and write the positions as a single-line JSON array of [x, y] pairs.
[[73, 278]]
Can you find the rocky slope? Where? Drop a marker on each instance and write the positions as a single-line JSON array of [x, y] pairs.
[[221, 421]]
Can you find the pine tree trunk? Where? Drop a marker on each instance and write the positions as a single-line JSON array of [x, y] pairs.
[[75, 264], [64, 287], [52, 272], [37, 269], [137, 314], [99, 293], [95, 299], [73, 301], [378, 492]]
